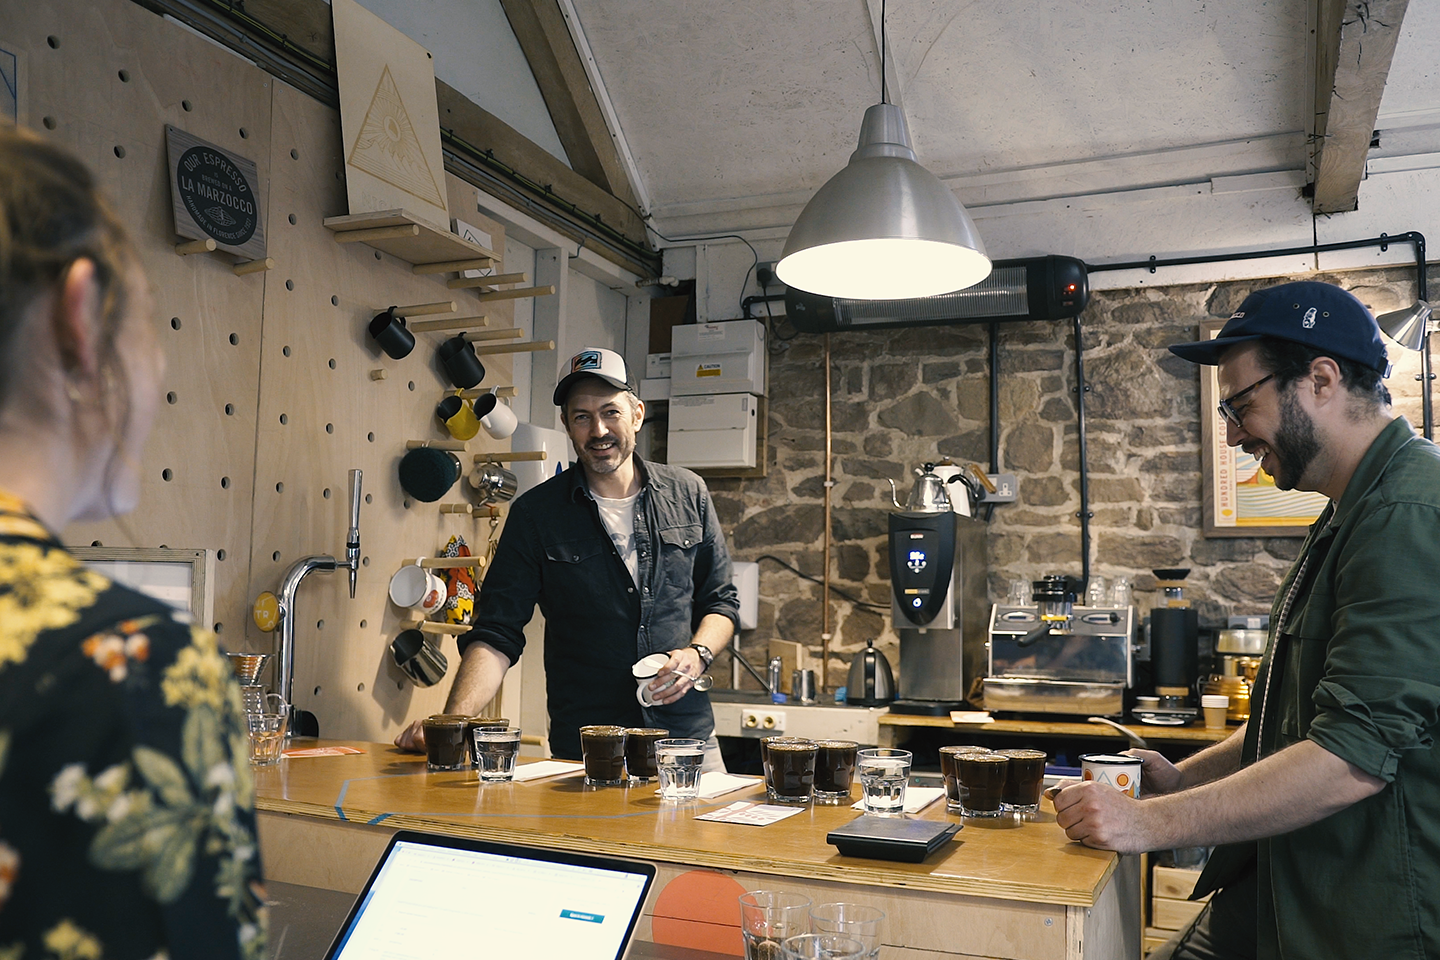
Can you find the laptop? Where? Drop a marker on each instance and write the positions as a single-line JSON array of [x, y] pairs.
[[434, 897]]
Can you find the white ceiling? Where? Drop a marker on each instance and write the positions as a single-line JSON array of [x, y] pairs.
[[736, 112]]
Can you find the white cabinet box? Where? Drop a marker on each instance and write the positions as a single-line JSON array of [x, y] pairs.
[[724, 357], [712, 431]]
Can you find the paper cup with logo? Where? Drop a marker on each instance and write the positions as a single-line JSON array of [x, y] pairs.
[[1113, 769]]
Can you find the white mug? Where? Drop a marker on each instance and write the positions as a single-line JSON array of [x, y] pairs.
[[497, 418], [417, 588], [644, 671], [1113, 769]]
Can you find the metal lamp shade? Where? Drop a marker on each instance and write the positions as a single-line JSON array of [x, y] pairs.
[[1406, 327], [883, 228]]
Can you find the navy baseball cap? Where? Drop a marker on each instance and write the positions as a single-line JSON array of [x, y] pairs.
[[1318, 315]]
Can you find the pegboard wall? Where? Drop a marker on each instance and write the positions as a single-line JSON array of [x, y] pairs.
[[269, 388]]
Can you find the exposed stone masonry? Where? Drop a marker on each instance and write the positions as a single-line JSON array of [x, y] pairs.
[[902, 397]]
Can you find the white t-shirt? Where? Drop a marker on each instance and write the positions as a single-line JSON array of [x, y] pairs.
[[619, 519]]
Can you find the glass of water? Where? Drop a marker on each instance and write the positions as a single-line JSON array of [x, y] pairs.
[[678, 761], [883, 775], [855, 920], [495, 752], [768, 918], [822, 946]]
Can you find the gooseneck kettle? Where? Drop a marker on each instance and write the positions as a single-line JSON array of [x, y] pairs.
[[870, 683]]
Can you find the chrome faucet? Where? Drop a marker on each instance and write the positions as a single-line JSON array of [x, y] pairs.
[[290, 584]]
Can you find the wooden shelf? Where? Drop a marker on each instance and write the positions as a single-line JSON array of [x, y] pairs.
[[425, 244], [1063, 728]]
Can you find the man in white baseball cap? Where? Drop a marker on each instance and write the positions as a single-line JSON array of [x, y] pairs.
[[625, 559]]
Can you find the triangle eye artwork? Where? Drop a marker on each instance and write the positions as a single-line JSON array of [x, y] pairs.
[[388, 147]]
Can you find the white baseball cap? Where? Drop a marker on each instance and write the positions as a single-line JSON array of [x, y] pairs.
[[596, 362]]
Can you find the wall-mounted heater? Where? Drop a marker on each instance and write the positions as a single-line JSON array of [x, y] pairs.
[[1036, 288]]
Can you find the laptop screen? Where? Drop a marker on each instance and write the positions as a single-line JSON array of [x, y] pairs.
[[433, 897]]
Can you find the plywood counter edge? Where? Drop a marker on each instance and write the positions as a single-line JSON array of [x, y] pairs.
[[1189, 734]]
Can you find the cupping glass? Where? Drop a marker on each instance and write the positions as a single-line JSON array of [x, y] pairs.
[[1234, 414]]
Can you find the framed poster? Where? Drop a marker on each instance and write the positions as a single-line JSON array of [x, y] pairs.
[[1239, 499], [180, 578]]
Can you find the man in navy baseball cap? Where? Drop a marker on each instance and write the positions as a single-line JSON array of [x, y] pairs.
[[1335, 776], [1307, 312]]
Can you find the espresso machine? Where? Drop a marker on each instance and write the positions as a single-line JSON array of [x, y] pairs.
[[938, 574], [1054, 656]]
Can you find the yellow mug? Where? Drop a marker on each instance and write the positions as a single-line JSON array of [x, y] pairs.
[[459, 417]]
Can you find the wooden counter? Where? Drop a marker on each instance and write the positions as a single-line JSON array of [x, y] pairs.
[[1002, 889]]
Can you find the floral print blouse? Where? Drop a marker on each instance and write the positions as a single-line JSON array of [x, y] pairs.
[[127, 825]]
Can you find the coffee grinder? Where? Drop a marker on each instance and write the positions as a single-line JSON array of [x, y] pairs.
[[1174, 637], [938, 576]]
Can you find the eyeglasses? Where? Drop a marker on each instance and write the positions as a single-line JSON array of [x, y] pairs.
[[1236, 415]]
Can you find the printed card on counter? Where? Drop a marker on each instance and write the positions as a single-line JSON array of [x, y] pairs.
[[716, 784], [541, 769], [320, 752], [751, 814], [970, 716]]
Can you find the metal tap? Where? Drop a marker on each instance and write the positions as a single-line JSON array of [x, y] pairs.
[[290, 585]]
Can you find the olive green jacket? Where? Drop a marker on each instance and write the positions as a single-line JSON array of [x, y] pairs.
[[1356, 667]]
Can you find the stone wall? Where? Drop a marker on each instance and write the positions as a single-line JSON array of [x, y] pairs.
[[902, 397]]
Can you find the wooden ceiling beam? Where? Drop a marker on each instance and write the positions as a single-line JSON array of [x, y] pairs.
[[1354, 46], [574, 108]]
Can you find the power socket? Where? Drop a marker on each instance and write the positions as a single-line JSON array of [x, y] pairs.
[[762, 723], [765, 274]]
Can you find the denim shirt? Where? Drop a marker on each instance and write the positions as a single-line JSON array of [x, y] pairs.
[[556, 552], [1356, 669]]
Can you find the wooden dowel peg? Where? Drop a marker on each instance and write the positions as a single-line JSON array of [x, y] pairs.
[[378, 374], [247, 267], [529, 347], [476, 336], [473, 392], [466, 508], [451, 266], [518, 293], [425, 309], [457, 446], [465, 283], [195, 246], [446, 563], [432, 627], [449, 323], [377, 233], [514, 456]]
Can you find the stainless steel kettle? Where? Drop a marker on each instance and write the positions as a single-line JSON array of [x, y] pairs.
[[928, 495], [870, 683]]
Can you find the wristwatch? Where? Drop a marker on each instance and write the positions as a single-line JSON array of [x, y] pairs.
[[706, 657]]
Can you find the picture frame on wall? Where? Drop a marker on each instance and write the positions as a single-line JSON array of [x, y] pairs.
[[1239, 499]]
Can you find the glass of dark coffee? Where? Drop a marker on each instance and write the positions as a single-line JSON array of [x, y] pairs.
[[789, 769], [982, 783], [948, 769], [640, 752], [481, 723], [834, 770], [1024, 778], [603, 749], [446, 743]]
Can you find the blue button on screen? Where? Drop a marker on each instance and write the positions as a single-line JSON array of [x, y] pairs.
[[579, 915]]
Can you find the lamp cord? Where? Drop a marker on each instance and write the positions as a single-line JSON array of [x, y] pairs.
[[882, 53]]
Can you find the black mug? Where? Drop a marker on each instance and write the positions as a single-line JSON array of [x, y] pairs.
[[462, 366], [389, 331]]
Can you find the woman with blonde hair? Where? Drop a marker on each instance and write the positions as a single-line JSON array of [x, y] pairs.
[[126, 808]]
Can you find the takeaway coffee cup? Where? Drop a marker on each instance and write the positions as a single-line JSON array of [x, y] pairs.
[[417, 588], [603, 750], [644, 670], [462, 366], [1113, 769], [417, 655], [497, 418], [1215, 705], [389, 331], [458, 417]]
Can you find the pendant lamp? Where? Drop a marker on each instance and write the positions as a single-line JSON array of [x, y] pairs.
[[1406, 327], [883, 228]]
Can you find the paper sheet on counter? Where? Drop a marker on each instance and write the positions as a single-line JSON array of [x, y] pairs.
[[716, 784], [970, 716], [541, 769], [916, 798], [751, 814], [320, 752]]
